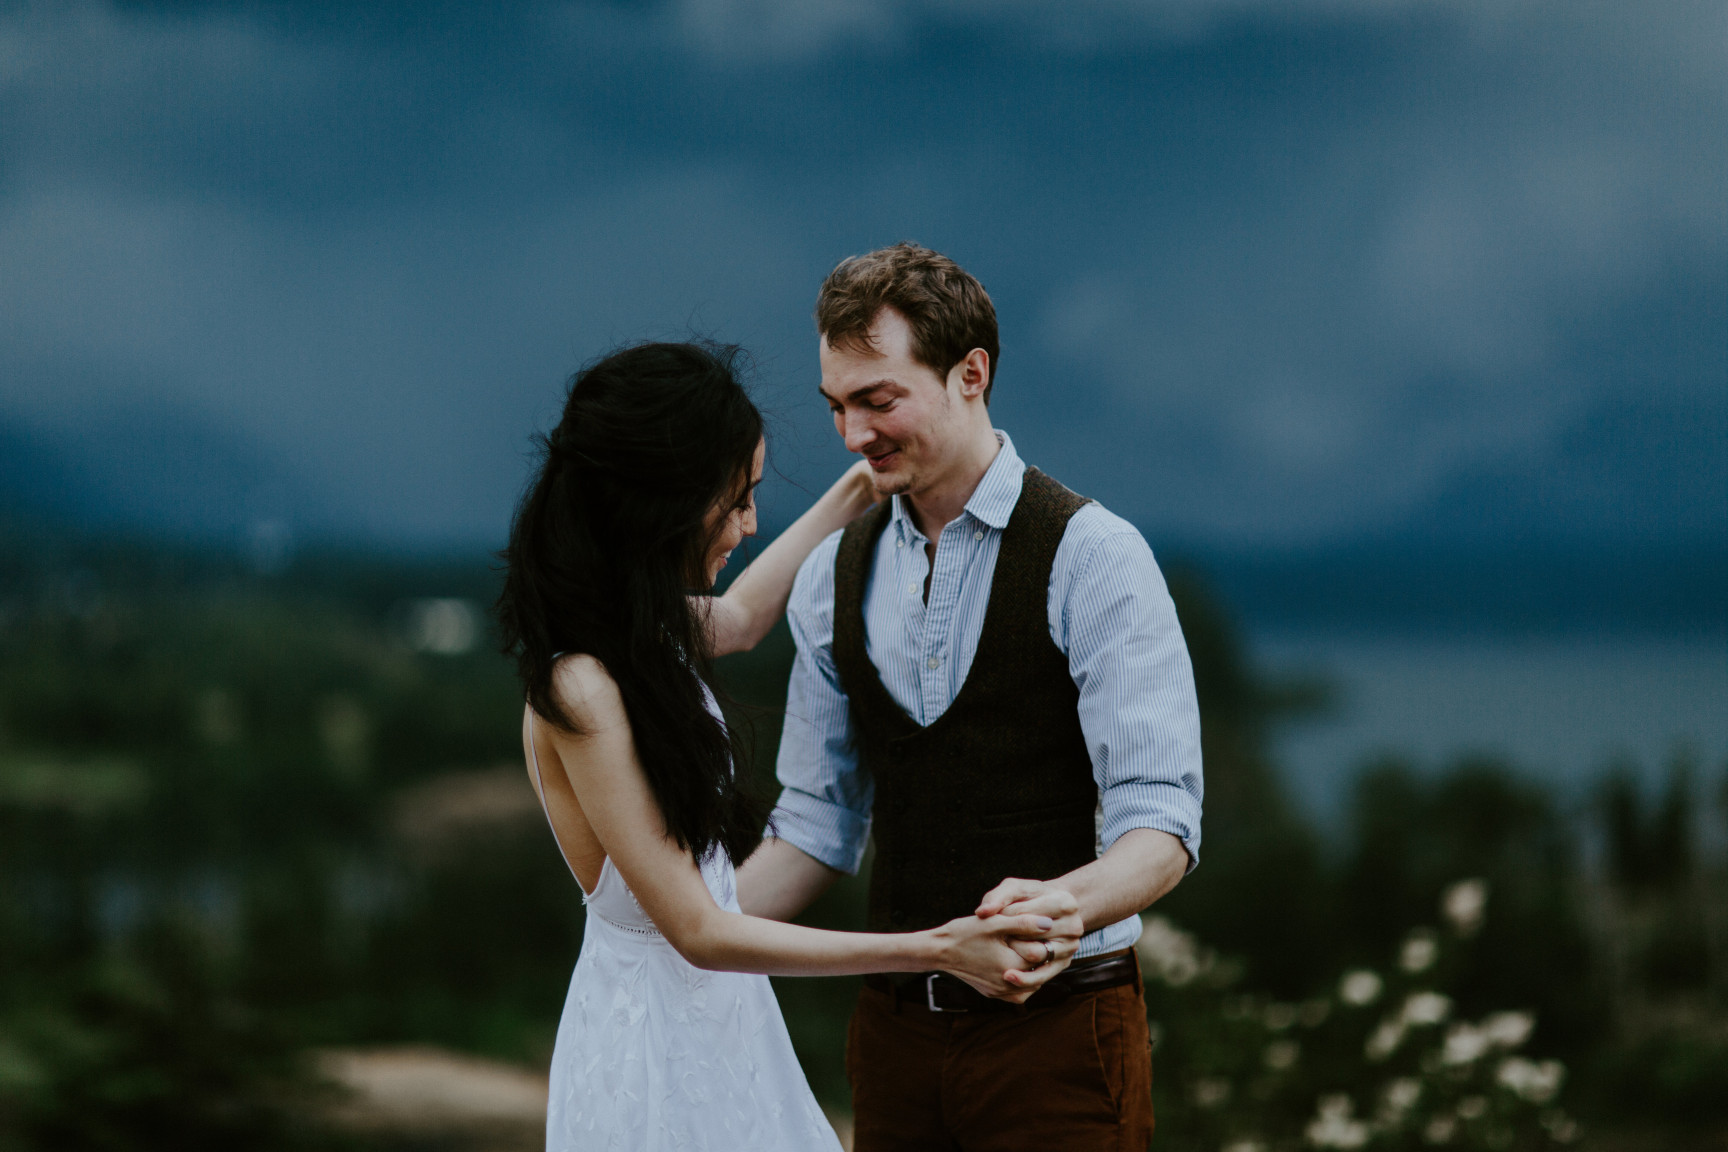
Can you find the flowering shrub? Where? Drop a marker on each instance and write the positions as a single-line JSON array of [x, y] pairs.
[[1379, 1061]]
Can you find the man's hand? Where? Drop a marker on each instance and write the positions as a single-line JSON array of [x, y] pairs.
[[1017, 898], [1137, 870], [1033, 898], [1008, 957]]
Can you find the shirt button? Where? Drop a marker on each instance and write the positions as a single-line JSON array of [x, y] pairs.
[[978, 535], [912, 587], [933, 662], [899, 543]]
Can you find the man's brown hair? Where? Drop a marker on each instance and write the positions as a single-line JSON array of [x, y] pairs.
[[947, 309]]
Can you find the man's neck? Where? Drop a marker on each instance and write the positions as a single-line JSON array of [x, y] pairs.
[[933, 508]]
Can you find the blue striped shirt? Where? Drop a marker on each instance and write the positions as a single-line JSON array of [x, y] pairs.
[[1110, 615]]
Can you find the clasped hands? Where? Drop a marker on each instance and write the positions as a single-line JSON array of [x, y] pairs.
[[1022, 934]]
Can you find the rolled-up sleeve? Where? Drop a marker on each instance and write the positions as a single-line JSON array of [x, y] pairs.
[[1117, 625], [825, 798]]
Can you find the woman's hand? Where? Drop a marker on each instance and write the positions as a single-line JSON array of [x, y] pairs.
[[1007, 957], [855, 491]]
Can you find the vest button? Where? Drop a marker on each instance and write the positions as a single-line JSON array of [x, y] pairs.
[[899, 916]]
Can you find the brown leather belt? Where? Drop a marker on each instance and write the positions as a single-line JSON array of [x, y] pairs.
[[940, 992]]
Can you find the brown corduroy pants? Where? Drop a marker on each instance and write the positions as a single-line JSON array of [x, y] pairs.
[[1073, 1077]]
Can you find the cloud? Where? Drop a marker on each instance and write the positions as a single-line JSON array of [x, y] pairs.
[[1688, 37], [401, 364], [1267, 270], [1408, 307], [784, 29]]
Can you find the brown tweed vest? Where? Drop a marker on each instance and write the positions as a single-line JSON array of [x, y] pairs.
[[1001, 784]]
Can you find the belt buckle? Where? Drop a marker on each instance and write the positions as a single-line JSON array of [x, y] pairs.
[[930, 995]]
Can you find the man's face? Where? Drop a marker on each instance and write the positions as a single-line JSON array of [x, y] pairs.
[[900, 415]]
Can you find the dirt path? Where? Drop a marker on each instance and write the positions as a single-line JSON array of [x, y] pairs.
[[461, 1103]]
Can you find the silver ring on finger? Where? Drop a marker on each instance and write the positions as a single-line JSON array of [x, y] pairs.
[[1049, 952]]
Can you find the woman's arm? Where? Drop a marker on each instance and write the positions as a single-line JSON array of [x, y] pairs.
[[738, 620], [602, 768]]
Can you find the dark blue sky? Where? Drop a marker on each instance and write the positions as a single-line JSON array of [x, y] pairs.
[[1270, 272]]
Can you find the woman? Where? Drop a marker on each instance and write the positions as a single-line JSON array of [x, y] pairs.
[[671, 1037]]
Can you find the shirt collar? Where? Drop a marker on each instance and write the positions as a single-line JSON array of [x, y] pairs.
[[992, 501]]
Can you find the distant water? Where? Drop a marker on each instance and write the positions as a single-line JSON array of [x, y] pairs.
[[1559, 709]]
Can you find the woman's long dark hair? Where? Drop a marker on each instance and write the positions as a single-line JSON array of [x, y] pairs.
[[607, 543]]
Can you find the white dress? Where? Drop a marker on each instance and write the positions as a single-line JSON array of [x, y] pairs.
[[656, 1055]]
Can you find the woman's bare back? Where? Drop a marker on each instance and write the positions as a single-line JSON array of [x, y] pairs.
[[575, 836]]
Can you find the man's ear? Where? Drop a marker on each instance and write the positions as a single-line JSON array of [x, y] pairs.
[[972, 374]]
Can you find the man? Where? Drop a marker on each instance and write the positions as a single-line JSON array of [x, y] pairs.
[[991, 678]]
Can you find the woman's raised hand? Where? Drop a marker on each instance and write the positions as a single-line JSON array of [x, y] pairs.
[[856, 489]]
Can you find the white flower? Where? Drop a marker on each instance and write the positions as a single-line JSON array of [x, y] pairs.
[[1245, 1144], [1562, 1129], [1211, 1091], [1421, 948], [1508, 1029], [1465, 1044], [1281, 1054], [1359, 987], [1422, 1008], [1440, 1130], [1333, 1127], [1532, 1081], [1169, 954], [1401, 1095], [1463, 905], [1384, 1040], [1472, 1107]]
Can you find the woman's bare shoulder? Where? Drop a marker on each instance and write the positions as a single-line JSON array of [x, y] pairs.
[[586, 691]]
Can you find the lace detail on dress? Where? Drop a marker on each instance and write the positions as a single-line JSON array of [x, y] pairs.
[[649, 931]]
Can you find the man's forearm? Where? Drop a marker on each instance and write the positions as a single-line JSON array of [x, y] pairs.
[[1134, 873], [780, 880], [1138, 869]]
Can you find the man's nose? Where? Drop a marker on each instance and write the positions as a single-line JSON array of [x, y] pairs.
[[857, 432]]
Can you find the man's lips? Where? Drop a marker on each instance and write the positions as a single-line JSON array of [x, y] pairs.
[[883, 460]]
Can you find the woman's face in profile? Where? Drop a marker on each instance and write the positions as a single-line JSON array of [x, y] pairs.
[[728, 525]]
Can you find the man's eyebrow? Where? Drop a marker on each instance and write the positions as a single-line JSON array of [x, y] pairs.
[[860, 391]]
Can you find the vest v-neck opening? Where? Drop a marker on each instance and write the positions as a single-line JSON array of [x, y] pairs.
[[1000, 784]]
